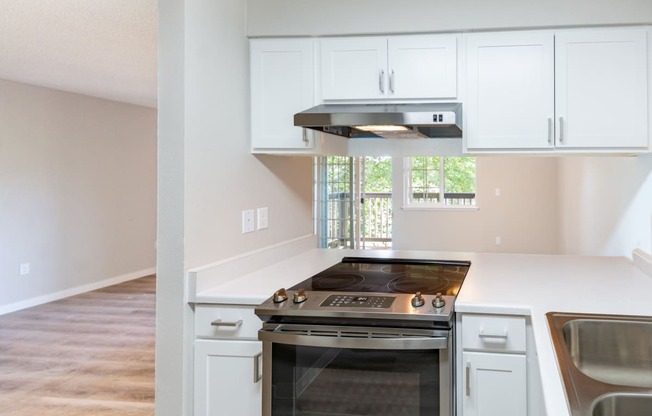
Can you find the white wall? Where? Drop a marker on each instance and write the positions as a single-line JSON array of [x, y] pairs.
[[77, 192], [207, 174], [334, 17], [524, 216], [605, 205]]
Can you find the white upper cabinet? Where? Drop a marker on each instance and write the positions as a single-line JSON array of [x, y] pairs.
[[397, 67], [282, 84], [422, 67], [510, 91], [354, 68], [568, 90], [601, 90]]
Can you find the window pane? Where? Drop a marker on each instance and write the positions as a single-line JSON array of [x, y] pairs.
[[425, 179], [459, 179]]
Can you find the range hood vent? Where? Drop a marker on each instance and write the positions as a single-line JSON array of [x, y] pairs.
[[391, 121]]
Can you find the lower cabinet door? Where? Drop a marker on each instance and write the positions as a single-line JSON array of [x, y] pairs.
[[494, 384], [228, 378]]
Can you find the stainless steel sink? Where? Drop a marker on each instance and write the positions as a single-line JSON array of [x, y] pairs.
[[623, 404], [605, 362]]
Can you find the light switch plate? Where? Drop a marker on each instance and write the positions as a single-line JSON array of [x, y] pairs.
[[248, 221], [263, 218]]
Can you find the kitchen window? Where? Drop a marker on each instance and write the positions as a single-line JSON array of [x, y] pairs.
[[433, 182]]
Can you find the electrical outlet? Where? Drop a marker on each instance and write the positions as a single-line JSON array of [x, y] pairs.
[[497, 192], [497, 241], [263, 218], [248, 221], [24, 269]]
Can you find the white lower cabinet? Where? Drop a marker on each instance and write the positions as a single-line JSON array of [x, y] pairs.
[[227, 369], [497, 366], [228, 378], [494, 384]]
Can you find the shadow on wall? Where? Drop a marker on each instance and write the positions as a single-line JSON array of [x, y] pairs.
[[605, 205]]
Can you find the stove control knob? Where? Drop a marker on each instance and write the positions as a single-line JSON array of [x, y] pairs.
[[417, 300], [438, 301], [300, 296], [280, 296]]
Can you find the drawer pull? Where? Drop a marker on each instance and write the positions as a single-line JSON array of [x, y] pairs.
[[257, 366], [219, 322], [468, 378], [483, 334]]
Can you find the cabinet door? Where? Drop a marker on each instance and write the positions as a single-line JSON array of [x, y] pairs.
[[601, 88], [422, 66], [510, 91], [494, 384], [354, 68], [282, 84], [227, 378]]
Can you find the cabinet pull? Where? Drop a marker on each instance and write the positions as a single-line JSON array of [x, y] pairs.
[[381, 81], [257, 374], [468, 378], [483, 334], [391, 81], [304, 136], [219, 322], [561, 129], [549, 130]]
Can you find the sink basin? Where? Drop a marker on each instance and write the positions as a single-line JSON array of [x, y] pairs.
[[623, 404], [613, 351], [605, 362]]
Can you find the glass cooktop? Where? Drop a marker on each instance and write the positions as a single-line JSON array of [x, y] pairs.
[[358, 274]]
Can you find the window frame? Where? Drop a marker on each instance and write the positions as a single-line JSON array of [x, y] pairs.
[[408, 204]]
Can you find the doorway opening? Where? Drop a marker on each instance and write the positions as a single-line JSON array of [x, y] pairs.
[[353, 202]]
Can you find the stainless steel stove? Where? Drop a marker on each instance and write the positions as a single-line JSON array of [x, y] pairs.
[[366, 336], [417, 292]]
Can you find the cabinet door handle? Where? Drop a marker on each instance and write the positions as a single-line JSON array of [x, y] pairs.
[[257, 373], [549, 130], [561, 129], [468, 378], [381, 81], [391, 81], [219, 322], [304, 136]]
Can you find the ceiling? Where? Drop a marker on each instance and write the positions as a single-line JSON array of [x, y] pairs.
[[101, 48]]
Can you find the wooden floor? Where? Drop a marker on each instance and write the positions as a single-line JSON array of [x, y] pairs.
[[91, 354]]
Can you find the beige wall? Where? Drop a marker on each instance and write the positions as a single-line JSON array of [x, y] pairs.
[[223, 178], [77, 191], [524, 216], [337, 17], [605, 205]]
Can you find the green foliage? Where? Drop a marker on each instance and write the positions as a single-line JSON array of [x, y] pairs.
[[378, 174], [459, 174]]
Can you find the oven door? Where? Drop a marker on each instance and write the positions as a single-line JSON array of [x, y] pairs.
[[346, 371]]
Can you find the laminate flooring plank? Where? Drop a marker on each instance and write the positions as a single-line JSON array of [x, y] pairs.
[[90, 354]]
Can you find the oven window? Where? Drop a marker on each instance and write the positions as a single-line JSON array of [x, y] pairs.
[[334, 381]]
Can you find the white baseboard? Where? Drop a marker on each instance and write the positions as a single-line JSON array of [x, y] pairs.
[[50, 297]]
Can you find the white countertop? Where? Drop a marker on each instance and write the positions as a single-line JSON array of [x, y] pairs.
[[520, 284]]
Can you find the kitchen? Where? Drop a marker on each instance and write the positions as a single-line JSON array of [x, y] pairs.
[[203, 136]]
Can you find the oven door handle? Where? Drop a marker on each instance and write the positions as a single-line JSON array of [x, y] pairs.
[[356, 342]]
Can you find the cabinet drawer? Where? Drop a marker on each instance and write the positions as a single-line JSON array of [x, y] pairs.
[[226, 322], [493, 333]]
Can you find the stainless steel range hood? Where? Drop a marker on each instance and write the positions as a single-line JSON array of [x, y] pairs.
[[392, 121]]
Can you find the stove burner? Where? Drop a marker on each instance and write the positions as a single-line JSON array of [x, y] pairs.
[[408, 284], [336, 281], [394, 268]]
